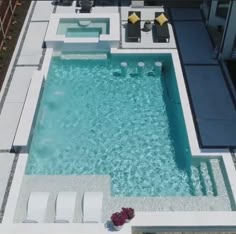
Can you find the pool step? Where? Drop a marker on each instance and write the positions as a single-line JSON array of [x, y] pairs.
[[83, 56], [196, 181], [219, 185], [202, 178], [206, 179]]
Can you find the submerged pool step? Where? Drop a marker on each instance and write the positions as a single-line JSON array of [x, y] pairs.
[[196, 181], [202, 179], [206, 179], [217, 175], [83, 56]]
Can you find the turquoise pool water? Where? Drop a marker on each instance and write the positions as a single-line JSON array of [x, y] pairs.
[[93, 120]]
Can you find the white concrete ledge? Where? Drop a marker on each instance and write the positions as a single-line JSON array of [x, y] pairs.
[[31, 51], [185, 219], [9, 119], [230, 170], [27, 117], [54, 228], [42, 11], [46, 62], [6, 159], [15, 190], [20, 84], [201, 221]]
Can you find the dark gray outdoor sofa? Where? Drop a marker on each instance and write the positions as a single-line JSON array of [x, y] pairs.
[[160, 33], [133, 31], [64, 2]]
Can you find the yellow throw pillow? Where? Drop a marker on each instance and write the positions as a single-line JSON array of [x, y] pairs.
[[133, 18], [161, 19]]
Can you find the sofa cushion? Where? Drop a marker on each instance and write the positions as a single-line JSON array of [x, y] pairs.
[[161, 19], [133, 18]]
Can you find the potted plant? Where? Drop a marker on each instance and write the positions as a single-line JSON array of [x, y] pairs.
[[129, 213], [147, 25], [118, 219]]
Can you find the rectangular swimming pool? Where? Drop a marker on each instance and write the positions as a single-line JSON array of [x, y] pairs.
[[94, 119]]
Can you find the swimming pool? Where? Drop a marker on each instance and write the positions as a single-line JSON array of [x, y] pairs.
[[93, 120]]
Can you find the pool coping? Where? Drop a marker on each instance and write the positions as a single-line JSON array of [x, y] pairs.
[[192, 220], [27, 117]]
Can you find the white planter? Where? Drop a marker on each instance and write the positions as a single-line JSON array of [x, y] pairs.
[[147, 26], [117, 228]]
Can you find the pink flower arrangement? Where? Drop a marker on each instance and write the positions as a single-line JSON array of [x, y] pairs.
[[129, 212], [118, 218]]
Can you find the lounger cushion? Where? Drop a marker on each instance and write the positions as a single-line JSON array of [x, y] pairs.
[[92, 207], [37, 207], [161, 19], [133, 18], [65, 207]]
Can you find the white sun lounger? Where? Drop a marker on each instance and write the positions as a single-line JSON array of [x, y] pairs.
[[37, 207], [92, 207], [65, 207]]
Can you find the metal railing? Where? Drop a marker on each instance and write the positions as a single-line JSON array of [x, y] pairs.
[[7, 9]]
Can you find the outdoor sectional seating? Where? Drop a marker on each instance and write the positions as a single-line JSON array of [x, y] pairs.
[[134, 30], [92, 207], [65, 207], [160, 32]]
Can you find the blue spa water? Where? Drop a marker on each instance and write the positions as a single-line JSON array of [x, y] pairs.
[[93, 120]]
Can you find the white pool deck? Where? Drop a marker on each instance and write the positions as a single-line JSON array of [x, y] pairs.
[[27, 58]]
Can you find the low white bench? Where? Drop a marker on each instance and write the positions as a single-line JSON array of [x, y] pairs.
[[27, 117]]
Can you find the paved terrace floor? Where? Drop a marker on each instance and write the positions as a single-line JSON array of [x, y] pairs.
[[212, 102], [29, 57]]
